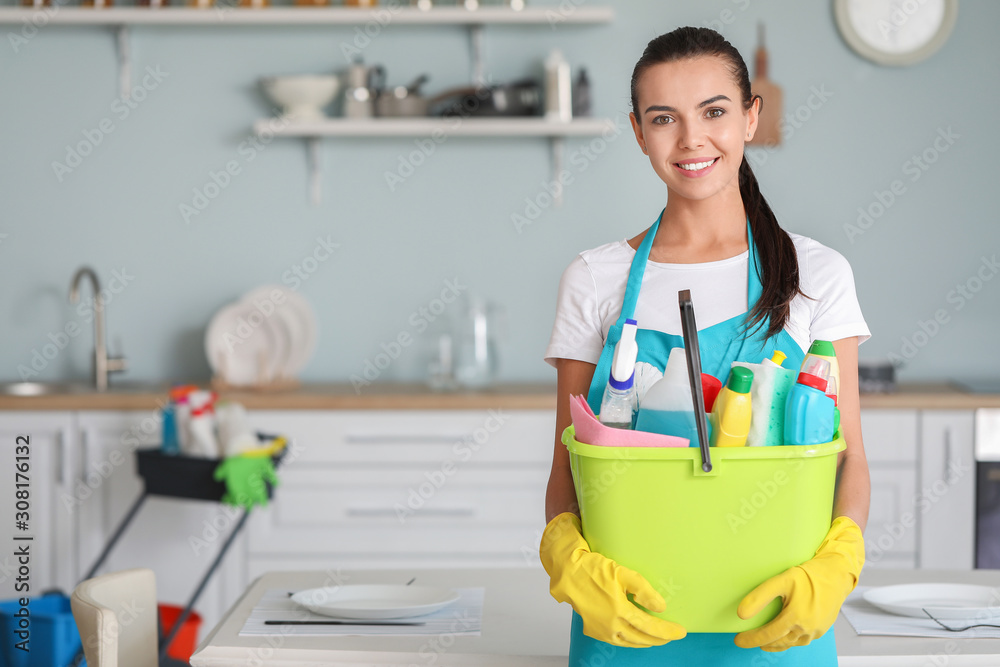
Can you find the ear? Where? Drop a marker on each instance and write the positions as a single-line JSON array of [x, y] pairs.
[[753, 116], [637, 129]]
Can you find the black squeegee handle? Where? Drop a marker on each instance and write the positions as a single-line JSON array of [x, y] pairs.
[[690, 332]]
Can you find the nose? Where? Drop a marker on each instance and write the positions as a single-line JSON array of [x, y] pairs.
[[692, 136]]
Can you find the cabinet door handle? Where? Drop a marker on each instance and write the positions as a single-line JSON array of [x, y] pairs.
[[947, 455], [381, 512], [84, 454], [63, 463], [391, 439]]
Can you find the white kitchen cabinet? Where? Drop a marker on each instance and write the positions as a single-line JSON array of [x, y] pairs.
[[50, 519], [176, 538], [890, 438], [385, 489], [946, 499]]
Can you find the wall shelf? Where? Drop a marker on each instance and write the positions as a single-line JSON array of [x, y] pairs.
[[225, 14], [438, 128]]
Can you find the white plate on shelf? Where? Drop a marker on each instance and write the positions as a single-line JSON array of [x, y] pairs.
[[298, 315], [375, 601], [241, 353], [943, 601], [284, 322]]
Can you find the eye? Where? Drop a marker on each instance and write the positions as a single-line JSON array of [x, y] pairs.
[[716, 112], [665, 119]]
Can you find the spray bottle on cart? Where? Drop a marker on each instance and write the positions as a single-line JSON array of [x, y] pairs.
[[619, 404]]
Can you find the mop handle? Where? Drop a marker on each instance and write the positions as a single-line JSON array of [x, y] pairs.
[[690, 332]]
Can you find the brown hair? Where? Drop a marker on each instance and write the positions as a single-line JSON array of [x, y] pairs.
[[775, 251]]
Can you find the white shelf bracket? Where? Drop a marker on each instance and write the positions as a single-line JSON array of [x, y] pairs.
[[315, 171], [124, 61], [558, 146], [476, 53]]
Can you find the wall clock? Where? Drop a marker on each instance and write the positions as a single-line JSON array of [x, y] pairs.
[[895, 32]]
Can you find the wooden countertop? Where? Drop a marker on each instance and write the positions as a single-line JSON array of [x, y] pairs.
[[391, 396]]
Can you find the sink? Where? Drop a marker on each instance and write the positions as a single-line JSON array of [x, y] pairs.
[[42, 388]]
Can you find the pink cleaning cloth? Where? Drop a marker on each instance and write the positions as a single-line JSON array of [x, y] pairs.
[[591, 431]]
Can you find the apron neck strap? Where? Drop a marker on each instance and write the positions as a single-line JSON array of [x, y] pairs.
[[638, 269], [754, 287], [636, 272]]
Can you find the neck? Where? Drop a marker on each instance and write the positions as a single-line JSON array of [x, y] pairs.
[[718, 220]]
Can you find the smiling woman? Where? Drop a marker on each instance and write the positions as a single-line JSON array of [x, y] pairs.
[[758, 289]]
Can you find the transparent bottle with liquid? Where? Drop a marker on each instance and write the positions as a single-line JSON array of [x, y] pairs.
[[668, 406], [619, 403]]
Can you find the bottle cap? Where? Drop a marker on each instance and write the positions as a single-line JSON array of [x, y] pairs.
[[817, 366], [813, 381], [740, 380], [623, 361], [778, 357], [823, 348]]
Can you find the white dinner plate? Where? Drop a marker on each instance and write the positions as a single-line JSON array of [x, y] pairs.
[[236, 350], [943, 601], [287, 325], [300, 319], [375, 601]]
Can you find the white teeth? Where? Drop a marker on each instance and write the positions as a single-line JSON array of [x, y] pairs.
[[695, 166]]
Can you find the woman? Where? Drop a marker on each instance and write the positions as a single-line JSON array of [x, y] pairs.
[[756, 289]]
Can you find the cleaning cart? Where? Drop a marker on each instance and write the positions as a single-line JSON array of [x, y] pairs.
[[192, 478]]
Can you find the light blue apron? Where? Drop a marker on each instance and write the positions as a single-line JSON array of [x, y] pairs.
[[720, 345]]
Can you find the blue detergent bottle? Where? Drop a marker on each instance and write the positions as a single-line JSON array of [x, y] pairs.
[[667, 407], [809, 412]]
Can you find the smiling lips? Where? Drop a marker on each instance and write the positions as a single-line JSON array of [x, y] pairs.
[[696, 167]]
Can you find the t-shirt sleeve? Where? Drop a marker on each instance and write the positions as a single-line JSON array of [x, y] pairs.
[[576, 333], [836, 312]]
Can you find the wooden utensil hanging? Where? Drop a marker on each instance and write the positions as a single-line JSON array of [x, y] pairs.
[[769, 123]]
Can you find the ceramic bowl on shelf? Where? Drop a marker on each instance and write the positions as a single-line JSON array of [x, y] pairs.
[[302, 97]]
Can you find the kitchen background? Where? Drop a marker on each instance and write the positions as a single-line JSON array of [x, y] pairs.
[[856, 127]]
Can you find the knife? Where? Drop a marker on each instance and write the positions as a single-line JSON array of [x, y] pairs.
[[331, 622]]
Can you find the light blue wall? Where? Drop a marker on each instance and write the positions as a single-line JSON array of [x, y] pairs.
[[452, 218]]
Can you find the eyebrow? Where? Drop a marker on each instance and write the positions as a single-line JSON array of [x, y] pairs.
[[703, 104]]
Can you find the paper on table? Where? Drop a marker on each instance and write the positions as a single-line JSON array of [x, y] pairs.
[[463, 617], [868, 619]]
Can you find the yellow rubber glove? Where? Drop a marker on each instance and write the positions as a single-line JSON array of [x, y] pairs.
[[812, 593], [596, 587]]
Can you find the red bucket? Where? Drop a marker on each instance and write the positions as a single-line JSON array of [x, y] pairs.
[[186, 639]]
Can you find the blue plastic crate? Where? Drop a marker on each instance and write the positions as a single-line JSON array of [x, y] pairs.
[[54, 640]]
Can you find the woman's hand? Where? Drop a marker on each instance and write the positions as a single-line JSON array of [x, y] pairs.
[[598, 588], [812, 593]]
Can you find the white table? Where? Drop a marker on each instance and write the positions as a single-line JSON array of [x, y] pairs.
[[523, 625]]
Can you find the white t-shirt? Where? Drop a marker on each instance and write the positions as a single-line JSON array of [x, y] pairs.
[[593, 286]]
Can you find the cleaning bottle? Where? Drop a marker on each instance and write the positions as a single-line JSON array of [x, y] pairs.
[[809, 412], [710, 388], [731, 414], [668, 407], [169, 443], [618, 404], [831, 391], [775, 360], [823, 349]]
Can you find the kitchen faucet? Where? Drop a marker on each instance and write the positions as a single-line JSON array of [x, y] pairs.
[[102, 363]]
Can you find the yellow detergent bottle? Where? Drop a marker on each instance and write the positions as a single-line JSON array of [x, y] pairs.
[[824, 350], [731, 412]]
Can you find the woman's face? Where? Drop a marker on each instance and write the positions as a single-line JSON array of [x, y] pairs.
[[692, 125]]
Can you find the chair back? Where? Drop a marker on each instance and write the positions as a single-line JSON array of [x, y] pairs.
[[116, 614]]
